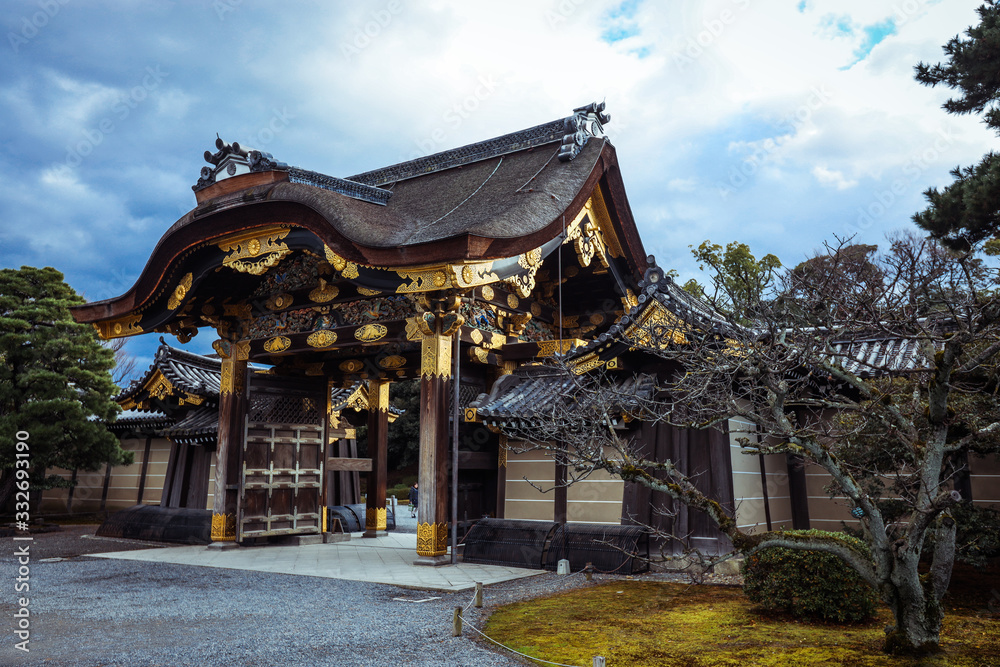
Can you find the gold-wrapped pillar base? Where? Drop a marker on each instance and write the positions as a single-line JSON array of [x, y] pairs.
[[375, 518], [223, 528], [432, 539]]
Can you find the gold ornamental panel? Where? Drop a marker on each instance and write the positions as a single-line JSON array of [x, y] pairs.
[[321, 339], [369, 292], [119, 328], [278, 301], [351, 366], [256, 251], [370, 333], [324, 292], [181, 291], [513, 301], [277, 344], [392, 362]]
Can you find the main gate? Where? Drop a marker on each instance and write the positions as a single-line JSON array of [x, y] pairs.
[[283, 457]]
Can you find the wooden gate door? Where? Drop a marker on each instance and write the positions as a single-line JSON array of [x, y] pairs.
[[283, 456]]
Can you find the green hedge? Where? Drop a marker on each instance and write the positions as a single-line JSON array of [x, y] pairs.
[[813, 585]]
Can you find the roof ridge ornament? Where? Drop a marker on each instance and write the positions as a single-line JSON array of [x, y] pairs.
[[586, 122]]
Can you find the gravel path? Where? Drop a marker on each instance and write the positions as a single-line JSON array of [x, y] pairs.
[[91, 611]]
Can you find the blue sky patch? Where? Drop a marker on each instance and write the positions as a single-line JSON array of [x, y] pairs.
[[622, 22], [873, 35]]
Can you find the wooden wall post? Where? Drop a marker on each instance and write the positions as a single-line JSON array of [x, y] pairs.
[[437, 325], [378, 440], [232, 415]]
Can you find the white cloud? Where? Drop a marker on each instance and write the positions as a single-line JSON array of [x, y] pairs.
[[832, 177]]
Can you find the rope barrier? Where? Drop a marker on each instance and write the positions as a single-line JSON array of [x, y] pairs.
[[525, 655], [504, 646]]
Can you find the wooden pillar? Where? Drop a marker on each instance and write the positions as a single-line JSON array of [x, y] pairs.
[[437, 327], [232, 414], [378, 441], [145, 469], [501, 476], [559, 512]]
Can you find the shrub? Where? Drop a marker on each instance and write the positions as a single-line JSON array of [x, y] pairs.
[[808, 584]]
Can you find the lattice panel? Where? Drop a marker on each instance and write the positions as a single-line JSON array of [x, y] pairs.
[[284, 409]]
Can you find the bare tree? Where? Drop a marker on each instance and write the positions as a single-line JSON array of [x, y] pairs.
[[124, 362], [900, 363]]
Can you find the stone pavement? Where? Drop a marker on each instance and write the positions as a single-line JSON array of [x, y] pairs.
[[382, 560]]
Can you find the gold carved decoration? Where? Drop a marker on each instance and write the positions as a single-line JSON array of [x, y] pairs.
[[592, 233], [588, 362], [657, 327], [548, 348], [479, 354], [314, 369], [513, 301], [423, 280], [413, 329], [369, 333], [255, 252], [277, 344], [518, 321], [497, 340], [435, 356], [524, 283], [432, 539], [160, 387], [119, 328], [346, 269], [471, 415], [369, 292], [351, 366], [278, 301], [487, 292], [629, 300], [180, 292], [223, 528], [321, 339], [502, 458], [242, 350], [475, 274], [476, 336], [536, 309], [392, 362], [191, 399], [324, 292]]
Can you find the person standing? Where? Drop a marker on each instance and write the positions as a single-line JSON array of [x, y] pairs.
[[413, 500]]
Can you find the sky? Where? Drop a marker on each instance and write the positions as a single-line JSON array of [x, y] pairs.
[[774, 123]]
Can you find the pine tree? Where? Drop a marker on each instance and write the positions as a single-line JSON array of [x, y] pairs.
[[55, 383], [968, 211]]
